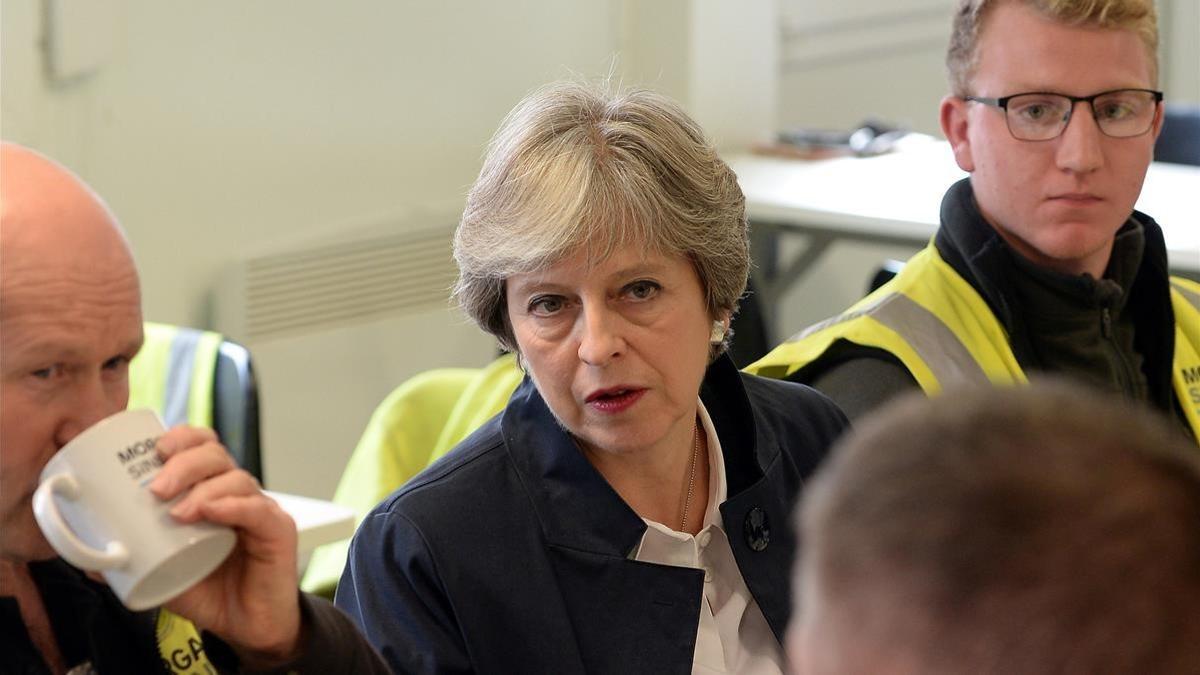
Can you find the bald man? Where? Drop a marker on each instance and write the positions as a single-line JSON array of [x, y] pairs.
[[70, 311]]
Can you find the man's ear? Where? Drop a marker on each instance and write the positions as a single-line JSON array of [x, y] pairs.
[[953, 116]]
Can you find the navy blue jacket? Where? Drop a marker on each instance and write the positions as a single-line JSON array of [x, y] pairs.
[[511, 553]]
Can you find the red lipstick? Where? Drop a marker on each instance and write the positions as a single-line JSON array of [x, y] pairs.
[[614, 399]]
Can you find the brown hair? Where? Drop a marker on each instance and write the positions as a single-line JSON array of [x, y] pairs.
[[1041, 529]]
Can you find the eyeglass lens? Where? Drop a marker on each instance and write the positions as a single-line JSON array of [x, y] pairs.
[[1037, 117]]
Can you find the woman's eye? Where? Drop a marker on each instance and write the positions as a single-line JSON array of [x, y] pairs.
[[642, 290], [545, 305]]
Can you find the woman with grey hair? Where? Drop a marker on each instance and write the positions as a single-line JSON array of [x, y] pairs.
[[627, 511]]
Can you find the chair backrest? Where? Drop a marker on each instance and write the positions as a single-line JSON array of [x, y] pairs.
[[1179, 141], [884, 274], [235, 406], [199, 378], [421, 420], [751, 338]]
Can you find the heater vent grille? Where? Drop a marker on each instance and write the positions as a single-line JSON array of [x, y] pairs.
[[346, 281]]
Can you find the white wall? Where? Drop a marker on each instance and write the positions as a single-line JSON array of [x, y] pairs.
[[843, 63], [1179, 22], [720, 59]]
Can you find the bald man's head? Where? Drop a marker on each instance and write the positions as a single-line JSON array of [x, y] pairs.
[[46, 209], [71, 314]]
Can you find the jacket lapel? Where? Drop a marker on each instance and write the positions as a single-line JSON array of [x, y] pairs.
[[756, 513], [624, 611]]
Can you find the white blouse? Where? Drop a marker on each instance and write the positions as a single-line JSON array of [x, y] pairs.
[[733, 635]]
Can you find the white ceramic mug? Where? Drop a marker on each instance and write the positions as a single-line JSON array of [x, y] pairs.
[[96, 509]]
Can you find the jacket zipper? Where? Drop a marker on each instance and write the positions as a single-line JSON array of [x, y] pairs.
[[1124, 369]]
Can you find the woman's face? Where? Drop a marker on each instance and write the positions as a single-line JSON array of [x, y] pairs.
[[617, 349]]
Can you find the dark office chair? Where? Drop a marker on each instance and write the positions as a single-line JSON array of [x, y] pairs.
[[235, 406], [178, 363], [1179, 141], [884, 274], [751, 339], [420, 421]]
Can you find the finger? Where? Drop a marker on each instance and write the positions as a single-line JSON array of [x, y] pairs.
[[189, 467], [267, 526], [182, 437], [263, 573], [234, 482]]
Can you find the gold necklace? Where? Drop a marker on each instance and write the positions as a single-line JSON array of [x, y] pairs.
[[687, 502]]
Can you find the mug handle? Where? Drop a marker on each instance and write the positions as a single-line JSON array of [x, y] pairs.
[[59, 534]]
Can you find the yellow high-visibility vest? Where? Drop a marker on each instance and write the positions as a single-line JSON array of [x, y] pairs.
[[173, 374], [944, 333], [180, 646]]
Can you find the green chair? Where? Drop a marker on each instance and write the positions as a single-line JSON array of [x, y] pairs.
[[415, 425]]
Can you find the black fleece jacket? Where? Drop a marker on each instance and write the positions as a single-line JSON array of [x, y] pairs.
[[1115, 333]]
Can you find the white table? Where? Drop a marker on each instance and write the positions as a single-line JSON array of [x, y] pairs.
[[895, 199], [317, 521]]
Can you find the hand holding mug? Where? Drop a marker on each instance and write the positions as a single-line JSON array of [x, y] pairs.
[[95, 509], [168, 517], [252, 599]]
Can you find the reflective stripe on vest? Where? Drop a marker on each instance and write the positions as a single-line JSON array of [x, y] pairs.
[[933, 294], [1192, 297], [936, 344], [173, 374], [928, 317]]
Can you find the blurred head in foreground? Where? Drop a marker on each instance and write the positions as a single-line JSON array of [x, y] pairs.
[[1042, 529]]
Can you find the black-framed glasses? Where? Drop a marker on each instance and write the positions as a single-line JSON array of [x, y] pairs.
[[1041, 116]]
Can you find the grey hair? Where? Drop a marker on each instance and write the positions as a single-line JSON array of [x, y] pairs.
[[579, 165]]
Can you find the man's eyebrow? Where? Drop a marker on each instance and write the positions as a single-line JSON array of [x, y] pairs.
[[51, 350], [36, 349], [1036, 89]]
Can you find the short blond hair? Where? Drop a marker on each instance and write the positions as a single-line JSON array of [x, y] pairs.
[[580, 165], [963, 54]]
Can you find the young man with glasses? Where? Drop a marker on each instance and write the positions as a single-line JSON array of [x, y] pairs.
[[1040, 263]]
